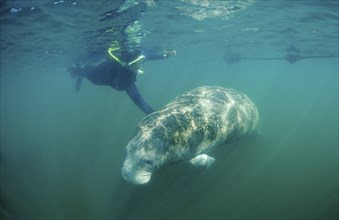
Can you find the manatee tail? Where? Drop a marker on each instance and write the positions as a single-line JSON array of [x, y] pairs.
[[135, 95]]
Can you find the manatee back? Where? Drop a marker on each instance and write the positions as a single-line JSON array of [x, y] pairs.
[[185, 128], [197, 120], [232, 111]]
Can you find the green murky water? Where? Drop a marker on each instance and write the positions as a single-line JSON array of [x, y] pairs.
[[62, 151]]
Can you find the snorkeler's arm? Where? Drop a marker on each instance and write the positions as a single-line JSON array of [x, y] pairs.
[[135, 95], [158, 55]]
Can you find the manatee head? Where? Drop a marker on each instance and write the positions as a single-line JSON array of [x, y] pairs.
[[144, 154], [137, 170]]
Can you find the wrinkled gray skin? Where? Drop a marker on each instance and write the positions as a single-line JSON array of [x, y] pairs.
[[186, 128]]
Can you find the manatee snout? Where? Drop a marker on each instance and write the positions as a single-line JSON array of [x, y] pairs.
[[135, 175]]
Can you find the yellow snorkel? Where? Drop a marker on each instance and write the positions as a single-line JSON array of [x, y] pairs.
[[135, 65], [112, 56]]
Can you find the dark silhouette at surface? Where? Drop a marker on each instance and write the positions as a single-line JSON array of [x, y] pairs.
[[231, 58]]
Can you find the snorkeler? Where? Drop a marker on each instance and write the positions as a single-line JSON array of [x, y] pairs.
[[120, 74]]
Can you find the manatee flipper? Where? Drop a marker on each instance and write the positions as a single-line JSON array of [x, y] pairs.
[[202, 160]]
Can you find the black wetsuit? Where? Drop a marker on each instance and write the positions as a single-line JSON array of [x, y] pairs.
[[112, 73]]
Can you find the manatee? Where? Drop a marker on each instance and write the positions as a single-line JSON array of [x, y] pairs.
[[186, 128]]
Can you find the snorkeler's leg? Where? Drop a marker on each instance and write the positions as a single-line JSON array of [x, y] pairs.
[[74, 70], [78, 83], [135, 95], [78, 72]]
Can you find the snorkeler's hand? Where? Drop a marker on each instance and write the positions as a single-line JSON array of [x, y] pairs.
[[168, 53]]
